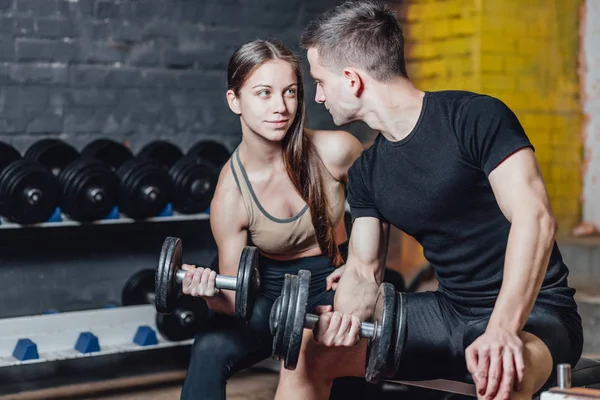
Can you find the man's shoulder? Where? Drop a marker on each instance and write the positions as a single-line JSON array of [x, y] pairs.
[[463, 100]]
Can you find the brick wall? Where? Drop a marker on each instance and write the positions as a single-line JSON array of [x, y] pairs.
[[590, 78], [535, 48], [522, 53], [442, 43], [133, 70]]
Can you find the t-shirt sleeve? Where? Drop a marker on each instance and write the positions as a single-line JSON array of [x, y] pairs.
[[490, 132], [359, 195]]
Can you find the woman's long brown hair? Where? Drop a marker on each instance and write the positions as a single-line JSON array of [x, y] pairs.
[[299, 154]]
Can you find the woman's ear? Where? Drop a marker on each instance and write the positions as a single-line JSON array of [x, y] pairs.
[[233, 101]]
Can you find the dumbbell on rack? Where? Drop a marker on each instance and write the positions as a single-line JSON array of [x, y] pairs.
[[385, 332], [188, 314], [193, 178], [88, 187], [169, 277], [144, 184], [212, 151], [29, 192]]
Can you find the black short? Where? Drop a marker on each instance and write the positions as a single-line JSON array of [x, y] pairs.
[[439, 331]]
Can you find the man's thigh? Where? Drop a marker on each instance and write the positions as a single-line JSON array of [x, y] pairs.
[[558, 328], [432, 347], [561, 331], [433, 344]]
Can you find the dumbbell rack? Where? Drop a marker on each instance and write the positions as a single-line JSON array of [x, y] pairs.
[[36, 351]]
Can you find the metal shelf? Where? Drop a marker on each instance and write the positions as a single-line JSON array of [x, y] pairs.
[[4, 224]]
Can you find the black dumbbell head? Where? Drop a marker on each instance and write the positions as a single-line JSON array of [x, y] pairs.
[[29, 192], [108, 151], [54, 153], [162, 151], [89, 190]]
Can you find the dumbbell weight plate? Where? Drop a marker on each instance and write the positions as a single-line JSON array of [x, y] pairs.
[[278, 316], [169, 262], [211, 151], [296, 320], [89, 190], [162, 151], [145, 188], [287, 318], [8, 155], [398, 337], [378, 351], [108, 151], [194, 183], [53, 153], [29, 192], [137, 286], [248, 283]]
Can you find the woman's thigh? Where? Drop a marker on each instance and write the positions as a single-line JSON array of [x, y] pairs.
[[227, 342]]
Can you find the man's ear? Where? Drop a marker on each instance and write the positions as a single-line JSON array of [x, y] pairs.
[[233, 101], [354, 80]]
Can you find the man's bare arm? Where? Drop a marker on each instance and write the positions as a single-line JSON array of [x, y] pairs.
[[520, 192], [357, 288]]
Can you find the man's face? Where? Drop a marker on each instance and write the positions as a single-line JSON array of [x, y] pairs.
[[333, 90]]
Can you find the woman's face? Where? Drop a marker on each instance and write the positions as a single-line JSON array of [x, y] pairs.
[[268, 100]]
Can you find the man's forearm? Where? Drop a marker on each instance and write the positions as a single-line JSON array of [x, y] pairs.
[[530, 244], [369, 264], [367, 270]]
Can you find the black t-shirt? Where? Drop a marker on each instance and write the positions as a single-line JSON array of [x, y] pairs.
[[434, 186]]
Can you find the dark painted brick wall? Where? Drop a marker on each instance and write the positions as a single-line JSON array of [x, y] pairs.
[[134, 70]]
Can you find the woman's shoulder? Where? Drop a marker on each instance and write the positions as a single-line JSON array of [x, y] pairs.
[[338, 149], [227, 185]]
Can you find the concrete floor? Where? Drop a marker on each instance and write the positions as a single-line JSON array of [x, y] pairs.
[[245, 386]]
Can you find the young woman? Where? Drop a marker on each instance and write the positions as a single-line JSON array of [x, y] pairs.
[[283, 191]]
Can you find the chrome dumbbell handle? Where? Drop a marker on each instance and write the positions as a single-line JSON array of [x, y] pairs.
[[222, 281], [367, 329]]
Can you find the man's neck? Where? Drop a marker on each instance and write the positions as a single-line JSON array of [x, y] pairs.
[[393, 108]]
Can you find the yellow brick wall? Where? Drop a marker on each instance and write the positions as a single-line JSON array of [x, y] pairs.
[[520, 52], [441, 43]]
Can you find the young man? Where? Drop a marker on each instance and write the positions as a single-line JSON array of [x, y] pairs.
[[455, 170]]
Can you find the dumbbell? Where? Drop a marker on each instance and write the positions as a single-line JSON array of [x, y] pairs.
[[188, 315], [144, 184], [29, 192], [193, 178], [385, 332], [212, 151], [88, 187], [169, 277]]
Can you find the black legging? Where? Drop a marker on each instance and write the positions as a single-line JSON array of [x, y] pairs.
[[228, 345]]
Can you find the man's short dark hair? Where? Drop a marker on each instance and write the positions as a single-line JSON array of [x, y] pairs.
[[364, 34]]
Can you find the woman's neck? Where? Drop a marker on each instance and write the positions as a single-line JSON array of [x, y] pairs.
[[258, 153]]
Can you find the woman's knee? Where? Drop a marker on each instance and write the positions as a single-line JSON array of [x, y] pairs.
[[214, 353]]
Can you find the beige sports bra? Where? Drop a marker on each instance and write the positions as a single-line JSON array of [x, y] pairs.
[[284, 235]]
